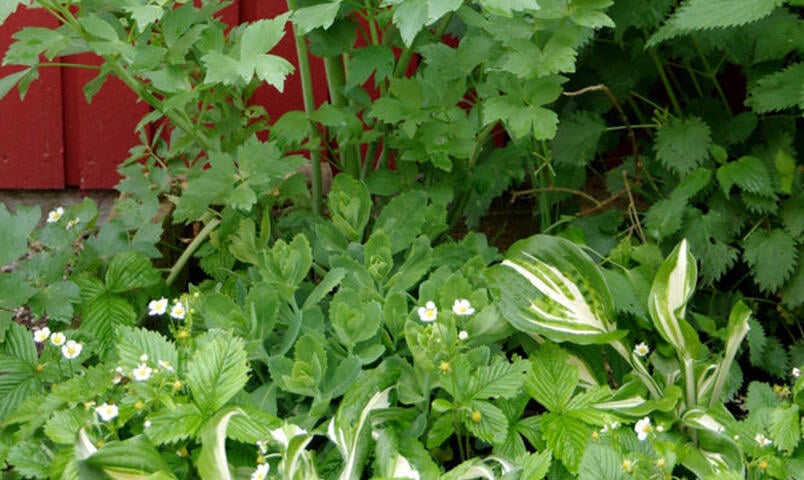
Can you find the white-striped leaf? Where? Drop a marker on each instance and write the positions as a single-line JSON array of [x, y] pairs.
[[738, 329], [667, 302], [549, 286]]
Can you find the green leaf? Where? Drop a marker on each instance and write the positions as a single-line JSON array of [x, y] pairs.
[[14, 231], [130, 270], [792, 293], [103, 314], [134, 342], [30, 459], [772, 256], [403, 218], [664, 217], [552, 380], [567, 437], [505, 8], [134, 458], [98, 27], [498, 380], [322, 15], [410, 16], [145, 15], [777, 91], [549, 286], [212, 462], [56, 300], [683, 144], [350, 206], [521, 120], [672, 288], [748, 173], [8, 82], [785, 427], [63, 426], [417, 264], [353, 317], [492, 426], [170, 425], [217, 371], [7, 7], [601, 461], [536, 465], [706, 14], [576, 139]]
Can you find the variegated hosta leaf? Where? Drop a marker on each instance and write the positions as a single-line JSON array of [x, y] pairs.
[[549, 286], [667, 302], [738, 329], [348, 442]]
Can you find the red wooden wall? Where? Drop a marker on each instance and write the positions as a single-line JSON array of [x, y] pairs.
[[53, 139]]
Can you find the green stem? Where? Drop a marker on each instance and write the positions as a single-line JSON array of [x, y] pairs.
[[336, 79], [640, 369], [190, 250], [309, 107], [712, 75], [665, 81], [68, 65]]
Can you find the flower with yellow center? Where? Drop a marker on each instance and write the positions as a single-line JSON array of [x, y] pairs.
[[58, 339], [166, 365], [261, 472], [142, 372], [41, 334], [71, 349], [462, 307], [107, 411], [444, 367], [55, 215], [643, 428], [158, 307], [178, 311], [428, 312], [641, 349]]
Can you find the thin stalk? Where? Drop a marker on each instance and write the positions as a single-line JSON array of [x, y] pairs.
[[689, 380], [309, 106], [640, 369], [68, 65], [665, 81], [190, 250], [336, 79], [712, 75]]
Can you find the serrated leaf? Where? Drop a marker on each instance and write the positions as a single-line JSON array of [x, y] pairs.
[[505, 8], [576, 139], [500, 379], [63, 426], [410, 16], [101, 315], [792, 293], [170, 425], [777, 91], [683, 144], [772, 256], [7, 7], [601, 461], [492, 426], [785, 427], [134, 342], [14, 231], [748, 173], [567, 437], [29, 459], [552, 380], [309, 18], [217, 370], [130, 270], [664, 217], [756, 342]]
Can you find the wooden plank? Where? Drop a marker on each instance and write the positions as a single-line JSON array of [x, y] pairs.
[[31, 144], [98, 135], [276, 103]]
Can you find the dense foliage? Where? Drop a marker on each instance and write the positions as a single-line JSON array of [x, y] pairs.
[[241, 317]]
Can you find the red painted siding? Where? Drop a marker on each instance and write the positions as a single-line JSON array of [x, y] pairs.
[[31, 146], [54, 139]]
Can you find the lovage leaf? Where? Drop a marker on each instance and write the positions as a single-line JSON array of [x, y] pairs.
[[772, 256], [322, 15], [411, 15]]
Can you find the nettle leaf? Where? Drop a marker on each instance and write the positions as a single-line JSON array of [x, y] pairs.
[[778, 91], [706, 14], [217, 370], [772, 256], [14, 231], [683, 144], [549, 286], [748, 173], [793, 292], [576, 139]]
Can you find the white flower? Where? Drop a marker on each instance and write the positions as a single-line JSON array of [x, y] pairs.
[[177, 311], [142, 372], [58, 339], [71, 349], [796, 372], [762, 440], [72, 223], [158, 307], [262, 445], [55, 215], [462, 307], [146, 424], [643, 428], [144, 357], [641, 349], [428, 312], [609, 427], [463, 335], [261, 472], [166, 365], [41, 334], [107, 411]]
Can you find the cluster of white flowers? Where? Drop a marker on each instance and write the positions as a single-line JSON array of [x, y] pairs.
[[57, 214], [69, 348], [160, 307], [461, 307]]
